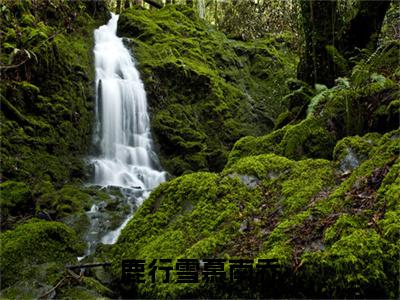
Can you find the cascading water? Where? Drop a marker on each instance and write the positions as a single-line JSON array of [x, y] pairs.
[[126, 159]]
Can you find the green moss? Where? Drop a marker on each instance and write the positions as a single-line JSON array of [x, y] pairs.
[[96, 286], [217, 84], [345, 225], [335, 233], [177, 220], [308, 139], [78, 292], [306, 180], [283, 119], [36, 284], [313, 220], [53, 84], [34, 243], [365, 102], [297, 98], [68, 200], [249, 145], [14, 198], [264, 167], [355, 264], [351, 151], [206, 215]]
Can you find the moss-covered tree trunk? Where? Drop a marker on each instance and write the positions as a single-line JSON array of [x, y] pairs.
[[319, 29], [364, 28]]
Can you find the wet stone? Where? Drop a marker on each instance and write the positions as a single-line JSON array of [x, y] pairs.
[[250, 181]]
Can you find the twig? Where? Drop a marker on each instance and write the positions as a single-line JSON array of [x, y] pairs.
[[53, 288], [13, 66], [89, 265]]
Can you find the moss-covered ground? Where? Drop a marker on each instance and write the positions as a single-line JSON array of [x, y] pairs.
[[334, 231], [320, 194]]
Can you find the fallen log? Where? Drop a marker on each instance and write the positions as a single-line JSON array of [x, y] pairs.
[[88, 265], [154, 3]]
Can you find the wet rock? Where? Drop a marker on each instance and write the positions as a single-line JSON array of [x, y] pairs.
[[349, 162], [250, 181], [244, 226]]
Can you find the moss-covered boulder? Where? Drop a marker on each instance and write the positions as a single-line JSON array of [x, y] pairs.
[[36, 250], [309, 138], [68, 200], [15, 199], [332, 233], [205, 91], [351, 151]]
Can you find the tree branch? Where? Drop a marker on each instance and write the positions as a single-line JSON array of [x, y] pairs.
[[154, 3]]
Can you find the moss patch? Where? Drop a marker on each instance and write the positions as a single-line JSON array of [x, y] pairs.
[[37, 246], [320, 224]]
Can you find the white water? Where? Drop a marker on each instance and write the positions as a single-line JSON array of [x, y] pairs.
[[126, 159]]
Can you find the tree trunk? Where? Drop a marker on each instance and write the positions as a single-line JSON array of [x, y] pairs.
[[316, 65], [321, 23], [364, 28]]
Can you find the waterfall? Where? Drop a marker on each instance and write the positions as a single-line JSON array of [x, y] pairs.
[[201, 7], [126, 159]]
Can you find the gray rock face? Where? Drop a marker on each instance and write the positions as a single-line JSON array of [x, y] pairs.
[[250, 181], [349, 162]]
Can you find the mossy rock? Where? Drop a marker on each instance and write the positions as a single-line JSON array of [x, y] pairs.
[[66, 201], [15, 198], [204, 90], [284, 119], [209, 215], [297, 98], [318, 224], [351, 151], [37, 246], [309, 138], [249, 145], [47, 100]]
